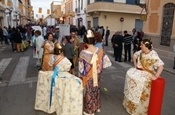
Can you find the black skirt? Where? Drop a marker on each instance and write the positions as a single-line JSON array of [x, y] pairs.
[[72, 66]]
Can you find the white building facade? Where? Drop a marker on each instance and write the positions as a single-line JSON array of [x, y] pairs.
[[79, 7], [118, 15], [2, 10], [11, 14]]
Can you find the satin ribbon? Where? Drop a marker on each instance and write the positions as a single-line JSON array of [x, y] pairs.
[[94, 69], [55, 74]]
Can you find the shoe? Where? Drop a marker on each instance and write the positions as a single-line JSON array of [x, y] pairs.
[[84, 113]]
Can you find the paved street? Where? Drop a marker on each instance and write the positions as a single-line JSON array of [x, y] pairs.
[[17, 90]]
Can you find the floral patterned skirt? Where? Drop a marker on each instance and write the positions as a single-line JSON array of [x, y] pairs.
[[140, 107], [91, 98], [66, 97]]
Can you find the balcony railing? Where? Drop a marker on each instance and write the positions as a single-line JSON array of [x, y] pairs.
[[113, 7]]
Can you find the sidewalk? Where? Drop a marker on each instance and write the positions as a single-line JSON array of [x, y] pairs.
[[169, 63]]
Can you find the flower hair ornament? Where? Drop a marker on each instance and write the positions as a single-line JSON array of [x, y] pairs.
[[58, 45], [149, 43], [90, 34]]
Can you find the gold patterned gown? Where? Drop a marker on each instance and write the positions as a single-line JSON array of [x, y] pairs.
[[61, 92], [48, 50], [138, 83]]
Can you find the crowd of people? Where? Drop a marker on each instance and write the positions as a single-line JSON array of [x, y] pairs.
[[69, 76], [70, 67], [129, 41], [17, 37], [70, 59]]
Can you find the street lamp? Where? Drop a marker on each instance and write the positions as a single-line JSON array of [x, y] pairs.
[[8, 12]]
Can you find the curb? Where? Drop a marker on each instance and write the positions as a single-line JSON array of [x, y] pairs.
[[169, 71]]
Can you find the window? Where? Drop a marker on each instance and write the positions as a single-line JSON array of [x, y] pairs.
[[89, 24], [81, 4], [130, 1], [88, 1]]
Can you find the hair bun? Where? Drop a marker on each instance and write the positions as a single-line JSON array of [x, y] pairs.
[[57, 45]]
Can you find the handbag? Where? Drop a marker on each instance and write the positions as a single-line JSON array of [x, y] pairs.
[[106, 61]]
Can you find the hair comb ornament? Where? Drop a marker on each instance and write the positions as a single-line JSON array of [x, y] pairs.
[[90, 34], [147, 43], [58, 45]]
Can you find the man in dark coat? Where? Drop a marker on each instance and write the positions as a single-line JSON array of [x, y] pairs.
[[118, 46], [107, 35], [1, 35]]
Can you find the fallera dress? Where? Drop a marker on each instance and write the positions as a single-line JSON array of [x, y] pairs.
[[138, 83], [90, 66], [59, 91]]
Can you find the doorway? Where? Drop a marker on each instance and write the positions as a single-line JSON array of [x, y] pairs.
[[138, 24], [167, 24], [95, 22]]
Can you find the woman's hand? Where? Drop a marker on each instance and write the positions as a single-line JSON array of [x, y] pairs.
[[154, 77]]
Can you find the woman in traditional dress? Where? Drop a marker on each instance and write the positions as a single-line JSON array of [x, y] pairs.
[[147, 67], [59, 91], [48, 51], [90, 65], [136, 42], [18, 40]]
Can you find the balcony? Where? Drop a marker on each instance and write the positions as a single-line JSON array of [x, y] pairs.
[[113, 7]]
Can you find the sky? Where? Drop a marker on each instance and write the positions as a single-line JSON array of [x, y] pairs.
[[44, 4]]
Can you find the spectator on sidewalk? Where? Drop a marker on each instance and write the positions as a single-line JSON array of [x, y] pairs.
[[5, 34], [174, 56], [107, 35], [1, 35], [127, 40], [12, 39], [118, 46], [112, 41], [136, 42]]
